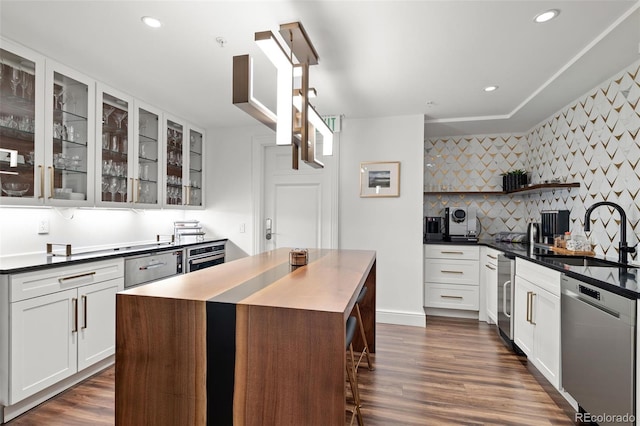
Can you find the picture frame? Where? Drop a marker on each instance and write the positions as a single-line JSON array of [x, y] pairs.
[[380, 179]]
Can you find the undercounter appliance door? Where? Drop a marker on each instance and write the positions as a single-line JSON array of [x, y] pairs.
[[598, 350], [506, 273], [151, 267]]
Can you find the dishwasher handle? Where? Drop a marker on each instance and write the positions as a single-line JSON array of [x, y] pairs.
[[504, 298]]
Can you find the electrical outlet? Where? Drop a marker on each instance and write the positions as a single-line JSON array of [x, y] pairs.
[[242, 228], [43, 226]]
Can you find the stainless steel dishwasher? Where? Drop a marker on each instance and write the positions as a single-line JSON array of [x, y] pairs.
[[598, 350]]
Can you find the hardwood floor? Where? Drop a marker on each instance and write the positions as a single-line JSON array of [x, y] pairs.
[[453, 372]]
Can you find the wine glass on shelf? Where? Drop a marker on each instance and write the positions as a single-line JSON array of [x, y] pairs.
[[106, 112], [24, 82], [15, 80], [113, 188], [105, 187], [57, 98], [122, 190], [119, 116]]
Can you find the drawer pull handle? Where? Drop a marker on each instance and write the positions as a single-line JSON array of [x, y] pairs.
[[74, 301], [73, 277], [491, 256], [490, 267], [444, 271], [452, 252], [451, 297], [84, 310]]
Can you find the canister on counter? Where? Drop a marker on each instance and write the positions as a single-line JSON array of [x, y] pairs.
[[298, 257]]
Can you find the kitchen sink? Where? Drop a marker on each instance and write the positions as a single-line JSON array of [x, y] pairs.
[[582, 261]]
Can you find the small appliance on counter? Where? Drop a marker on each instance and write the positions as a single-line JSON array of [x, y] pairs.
[[460, 224], [533, 233], [433, 228], [554, 222]]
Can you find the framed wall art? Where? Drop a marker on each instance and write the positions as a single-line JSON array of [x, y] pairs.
[[380, 179]]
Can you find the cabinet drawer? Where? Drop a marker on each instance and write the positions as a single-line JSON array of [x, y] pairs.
[[491, 256], [451, 272], [32, 284], [439, 251], [465, 297], [546, 278]]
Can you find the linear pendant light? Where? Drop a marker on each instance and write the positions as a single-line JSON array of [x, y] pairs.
[[296, 121]]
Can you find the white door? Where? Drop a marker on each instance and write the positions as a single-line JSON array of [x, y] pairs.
[[522, 328], [546, 344], [43, 342], [97, 317], [298, 204]]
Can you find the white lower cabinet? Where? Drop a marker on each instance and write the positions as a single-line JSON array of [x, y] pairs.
[[452, 277], [55, 335], [537, 317], [491, 284]]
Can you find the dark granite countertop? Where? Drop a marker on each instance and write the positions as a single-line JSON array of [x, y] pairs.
[[35, 261], [619, 280]]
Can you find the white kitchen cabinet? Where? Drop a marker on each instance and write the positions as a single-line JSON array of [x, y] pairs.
[[62, 320], [452, 278], [537, 317], [147, 170], [491, 284], [183, 164], [115, 158]]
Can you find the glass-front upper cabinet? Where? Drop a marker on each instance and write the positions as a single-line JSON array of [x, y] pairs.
[[147, 147], [69, 137], [115, 157], [21, 106], [173, 163], [195, 179]]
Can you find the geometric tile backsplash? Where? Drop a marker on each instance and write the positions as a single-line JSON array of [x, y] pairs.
[[594, 141]]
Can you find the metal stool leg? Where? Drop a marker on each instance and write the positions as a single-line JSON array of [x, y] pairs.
[[351, 371]]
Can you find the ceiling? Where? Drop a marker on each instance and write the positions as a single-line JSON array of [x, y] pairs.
[[377, 58]]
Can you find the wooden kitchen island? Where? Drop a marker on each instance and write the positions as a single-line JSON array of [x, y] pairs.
[[249, 342]]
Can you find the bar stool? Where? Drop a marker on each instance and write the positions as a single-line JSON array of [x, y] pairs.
[[365, 350], [351, 372]]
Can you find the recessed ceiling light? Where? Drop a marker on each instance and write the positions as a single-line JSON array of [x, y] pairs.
[[151, 22], [490, 88], [546, 16]]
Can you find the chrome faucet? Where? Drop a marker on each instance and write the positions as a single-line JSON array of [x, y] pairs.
[[623, 248]]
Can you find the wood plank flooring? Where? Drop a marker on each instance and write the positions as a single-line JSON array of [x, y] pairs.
[[453, 372]]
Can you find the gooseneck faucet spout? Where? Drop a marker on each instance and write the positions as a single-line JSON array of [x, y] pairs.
[[623, 248]]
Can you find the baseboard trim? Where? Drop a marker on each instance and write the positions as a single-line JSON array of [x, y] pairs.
[[454, 313], [401, 318]]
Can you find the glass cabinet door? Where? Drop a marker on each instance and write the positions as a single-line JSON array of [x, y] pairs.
[[69, 143], [193, 186], [114, 159], [18, 117], [173, 163], [148, 168]]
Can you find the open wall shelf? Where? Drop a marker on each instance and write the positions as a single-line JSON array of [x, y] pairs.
[[540, 187]]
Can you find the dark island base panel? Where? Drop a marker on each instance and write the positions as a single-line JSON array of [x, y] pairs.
[[221, 362], [221, 341]]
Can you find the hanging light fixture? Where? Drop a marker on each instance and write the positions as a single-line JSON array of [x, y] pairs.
[[295, 121]]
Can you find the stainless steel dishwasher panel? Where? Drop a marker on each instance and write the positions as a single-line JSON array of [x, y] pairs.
[[598, 349], [152, 267]]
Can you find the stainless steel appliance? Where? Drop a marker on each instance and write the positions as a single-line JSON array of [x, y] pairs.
[[205, 255], [432, 228], [598, 349], [460, 224], [506, 274], [533, 233], [554, 222], [145, 268]]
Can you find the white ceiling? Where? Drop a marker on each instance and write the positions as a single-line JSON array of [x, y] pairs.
[[377, 58]]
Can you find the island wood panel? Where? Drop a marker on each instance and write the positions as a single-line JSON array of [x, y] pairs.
[[290, 367], [224, 356], [160, 361]]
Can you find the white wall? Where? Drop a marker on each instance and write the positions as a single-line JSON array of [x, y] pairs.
[[391, 226], [229, 197]]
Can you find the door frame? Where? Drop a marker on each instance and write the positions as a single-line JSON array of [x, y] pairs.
[[259, 146]]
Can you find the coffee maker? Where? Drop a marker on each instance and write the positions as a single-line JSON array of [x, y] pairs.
[[432, 228], [460, 224]]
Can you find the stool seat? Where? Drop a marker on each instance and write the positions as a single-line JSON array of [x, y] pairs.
[[351, 331], [362, 294]]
